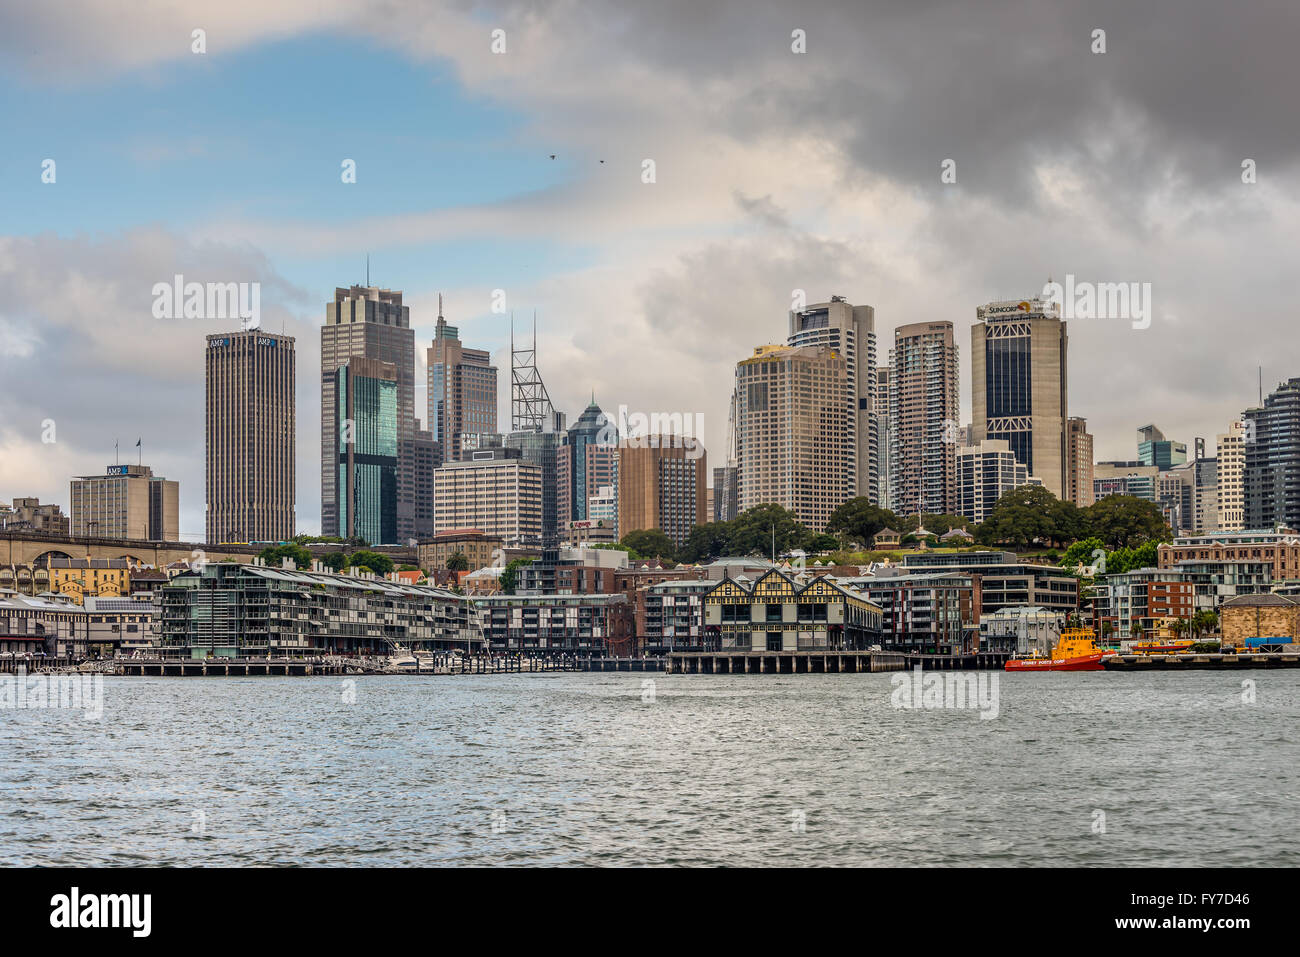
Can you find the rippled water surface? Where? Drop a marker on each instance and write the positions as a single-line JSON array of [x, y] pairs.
[[1095, 769]]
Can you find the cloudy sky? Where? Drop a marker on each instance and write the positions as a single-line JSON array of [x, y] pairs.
[[774, 171]]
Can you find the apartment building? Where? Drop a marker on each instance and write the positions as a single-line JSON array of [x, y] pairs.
[[924, 411], [795, 438]]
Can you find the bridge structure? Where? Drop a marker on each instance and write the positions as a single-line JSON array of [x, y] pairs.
[[32, 548]]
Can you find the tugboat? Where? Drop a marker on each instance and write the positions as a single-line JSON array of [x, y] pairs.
[[1076, 651]]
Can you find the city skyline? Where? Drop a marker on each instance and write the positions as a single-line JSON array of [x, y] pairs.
[[1135, 187]]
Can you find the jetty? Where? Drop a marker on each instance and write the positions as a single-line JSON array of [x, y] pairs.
[[1216, 661], [783, 662]]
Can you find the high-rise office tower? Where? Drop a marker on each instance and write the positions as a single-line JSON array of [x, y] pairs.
[[794, 431], [1079, 462], [544, 449], [365, 393], [369, 323], [462, 396], [492, 491], [417, 457], [1155, 449], [1231, 454], [880, 412], [851, 331], [662, 485], [1272, 477], [924, 409], [127, 501], [592, 452], [1018, 384], [249, 437]]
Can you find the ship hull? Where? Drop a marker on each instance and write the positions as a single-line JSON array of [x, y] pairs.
[[1076, 663]]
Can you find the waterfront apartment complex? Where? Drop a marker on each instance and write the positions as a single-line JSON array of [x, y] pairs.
[[368, 323], [849, 331], [924, 408], [127, 501], [250, 437], [462, 396], [795, 431], [494, 491], [662, 484], [1019, 385], [237, 611]]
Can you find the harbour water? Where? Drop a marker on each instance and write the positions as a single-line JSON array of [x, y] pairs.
[[634, 769]]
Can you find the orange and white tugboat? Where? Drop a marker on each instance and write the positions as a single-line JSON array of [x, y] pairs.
[[1076, 651]]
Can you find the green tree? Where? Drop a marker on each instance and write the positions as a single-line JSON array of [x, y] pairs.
[[857, 520], [275, 554], [1082, 552], [458, 562], [753, 531], [510, 574], [1120, 520], [706, 542], [379, 564], [1020, 517], [650, 542], [335, 561], [821, 542]]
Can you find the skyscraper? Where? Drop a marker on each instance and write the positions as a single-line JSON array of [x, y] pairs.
[[880, 413], [249, 437], [544, 448], [923, 411], [365, 393], [369, 323], [1079, 462], [492, 491], [128, 501], [1155, 449], [462, 397], [593, 458], [662, 485], [794, 431], [1272, 477], [1231, 454], [851, 331], [1018, 384]]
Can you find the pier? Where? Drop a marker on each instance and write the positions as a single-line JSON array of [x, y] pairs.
[[783, 662], [1196, 662]]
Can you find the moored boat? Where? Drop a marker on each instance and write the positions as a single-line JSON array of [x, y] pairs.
[[1076, 651]]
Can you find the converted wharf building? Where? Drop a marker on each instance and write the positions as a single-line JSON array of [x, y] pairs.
[[777, 613], [41, 625], [236, 611], [558, 624]]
